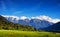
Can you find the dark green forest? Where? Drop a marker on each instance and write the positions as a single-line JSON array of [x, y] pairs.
[[7, 25]]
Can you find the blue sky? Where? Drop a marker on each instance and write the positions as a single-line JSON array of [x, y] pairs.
[[30, 8]]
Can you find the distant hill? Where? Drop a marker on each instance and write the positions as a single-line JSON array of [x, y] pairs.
[[53, 28], [5, 24]]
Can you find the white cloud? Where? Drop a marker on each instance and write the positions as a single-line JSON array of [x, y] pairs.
[[24, 17]]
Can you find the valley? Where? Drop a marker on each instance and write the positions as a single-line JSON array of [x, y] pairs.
[[17, 33]]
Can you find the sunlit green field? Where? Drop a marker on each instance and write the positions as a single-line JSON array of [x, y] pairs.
[[16, 33]]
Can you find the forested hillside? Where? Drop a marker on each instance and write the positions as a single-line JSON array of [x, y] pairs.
[[7, 25]]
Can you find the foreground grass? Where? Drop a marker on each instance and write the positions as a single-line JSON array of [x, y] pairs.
[[15, 33]]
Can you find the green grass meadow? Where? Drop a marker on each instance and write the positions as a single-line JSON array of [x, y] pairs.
[[16, 33]]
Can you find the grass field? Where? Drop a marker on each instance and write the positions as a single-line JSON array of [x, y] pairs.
[[15, 33]]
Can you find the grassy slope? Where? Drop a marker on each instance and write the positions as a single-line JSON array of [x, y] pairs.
[[15, 33]]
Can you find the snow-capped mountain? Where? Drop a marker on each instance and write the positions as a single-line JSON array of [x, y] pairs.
[[37, 22]]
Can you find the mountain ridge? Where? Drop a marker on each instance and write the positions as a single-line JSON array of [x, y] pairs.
[[37, 23], [43, 17], [53, 28], [8, 25]]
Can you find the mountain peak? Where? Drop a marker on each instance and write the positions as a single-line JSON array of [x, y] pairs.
[[47, 18], [3, 18]]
